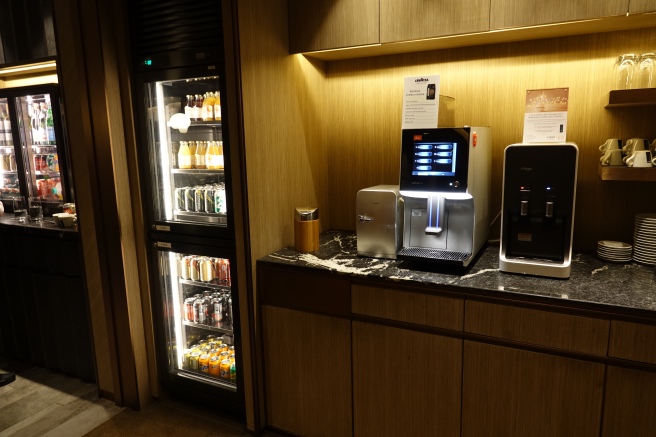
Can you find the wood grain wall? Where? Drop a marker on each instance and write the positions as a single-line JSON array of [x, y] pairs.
[[362, 104]]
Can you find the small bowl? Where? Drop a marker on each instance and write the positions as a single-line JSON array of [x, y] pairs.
[[65, 220]]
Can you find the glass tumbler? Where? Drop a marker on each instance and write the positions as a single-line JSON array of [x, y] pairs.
[[20, 208], [645, 71], [624, 69]]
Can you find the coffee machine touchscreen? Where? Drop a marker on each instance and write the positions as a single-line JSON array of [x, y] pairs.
[[435, 159]]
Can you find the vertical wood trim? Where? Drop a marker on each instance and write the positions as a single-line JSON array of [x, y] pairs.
[[110, 194], [240, 212], [73, 77]]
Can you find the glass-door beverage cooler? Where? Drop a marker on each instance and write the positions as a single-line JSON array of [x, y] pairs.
[[34, 156], [184, 153], [188, 152], [199, 317]]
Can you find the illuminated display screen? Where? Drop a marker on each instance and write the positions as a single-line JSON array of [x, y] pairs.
[[434, 159]]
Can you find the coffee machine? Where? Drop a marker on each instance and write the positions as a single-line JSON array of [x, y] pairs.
[[445, 187], [537, 216]]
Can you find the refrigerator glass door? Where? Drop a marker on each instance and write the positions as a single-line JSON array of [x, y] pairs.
[[9, 182], [40, 150], [185, 139], [198, 319]]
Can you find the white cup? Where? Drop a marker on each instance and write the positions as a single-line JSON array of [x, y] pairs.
[[612, 157], [639, 158], [611, 144], [635, 144]]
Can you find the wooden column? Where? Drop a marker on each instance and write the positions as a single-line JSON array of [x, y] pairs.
[[96, 96]]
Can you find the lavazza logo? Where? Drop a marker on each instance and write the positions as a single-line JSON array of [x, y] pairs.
[[421, 79]]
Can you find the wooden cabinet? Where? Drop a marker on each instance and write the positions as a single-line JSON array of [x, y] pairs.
[[405, 382], [520, 13], [633, 341], [630, 405], [405, 306], [330, 24], [510, 392], [640, 6], [307, 368], [540, 327], [418, 19]]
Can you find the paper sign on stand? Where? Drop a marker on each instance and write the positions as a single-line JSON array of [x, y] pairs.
[[421, 98], [545, 117]]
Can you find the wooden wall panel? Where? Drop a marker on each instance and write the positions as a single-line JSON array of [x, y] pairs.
[[638, 6], [363, 104], [517, 13], [322, 24], [417, 19]]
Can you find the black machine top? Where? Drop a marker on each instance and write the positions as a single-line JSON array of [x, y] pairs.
[[435, 159]]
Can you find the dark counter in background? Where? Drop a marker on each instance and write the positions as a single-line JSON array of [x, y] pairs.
[[43, 298], [594, 284]]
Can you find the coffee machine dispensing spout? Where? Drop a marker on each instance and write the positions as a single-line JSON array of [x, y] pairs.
[[435, 214]]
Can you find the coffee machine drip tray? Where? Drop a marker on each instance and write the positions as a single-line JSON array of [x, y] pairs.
[[428, 254]]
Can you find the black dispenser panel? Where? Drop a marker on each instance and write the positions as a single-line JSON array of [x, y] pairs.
[[538, 201]]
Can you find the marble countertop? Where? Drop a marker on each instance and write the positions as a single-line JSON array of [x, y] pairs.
[[594, 282], [46, 225]]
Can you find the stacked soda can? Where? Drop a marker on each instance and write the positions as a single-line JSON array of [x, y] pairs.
[[205, 269], [211, 308], [212, 356], [201, 198]]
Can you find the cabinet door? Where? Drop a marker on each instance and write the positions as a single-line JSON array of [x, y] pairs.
[[405, 383], [331, 24], [418, 19], [518, 13], [639, 6], [510, 392], [630, 403], [307, 367]]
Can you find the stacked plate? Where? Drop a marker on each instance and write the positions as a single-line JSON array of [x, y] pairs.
[[614, 251], [644, 239]]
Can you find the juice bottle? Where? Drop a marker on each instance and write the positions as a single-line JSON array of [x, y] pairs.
[[208, 107], [201, 150], [198, 107], [217, 106], [192, 154], [219, 159], [189, 108], [184, 156]]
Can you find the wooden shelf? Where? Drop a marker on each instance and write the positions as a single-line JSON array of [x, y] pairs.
[[638, 97], [642, 174]]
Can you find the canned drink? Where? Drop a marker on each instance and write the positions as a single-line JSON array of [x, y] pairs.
[[214, 366], [189, 309], [223, 270], [224, 369], [204, 312], [180, 199], [231, 357], [194, 361], [223, 350], [194, 348], [218, 310], [50, 163], [209, 199], [231, 349], [185, 267], [204, 363], [199, 315], [194, 271], [190, 204], [202, 342], [199, 199], [220, 199], [233, 372], [207, 270], [210, 338], [186, 356]]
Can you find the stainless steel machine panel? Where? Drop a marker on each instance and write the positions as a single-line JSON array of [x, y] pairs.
[[379, 221]]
